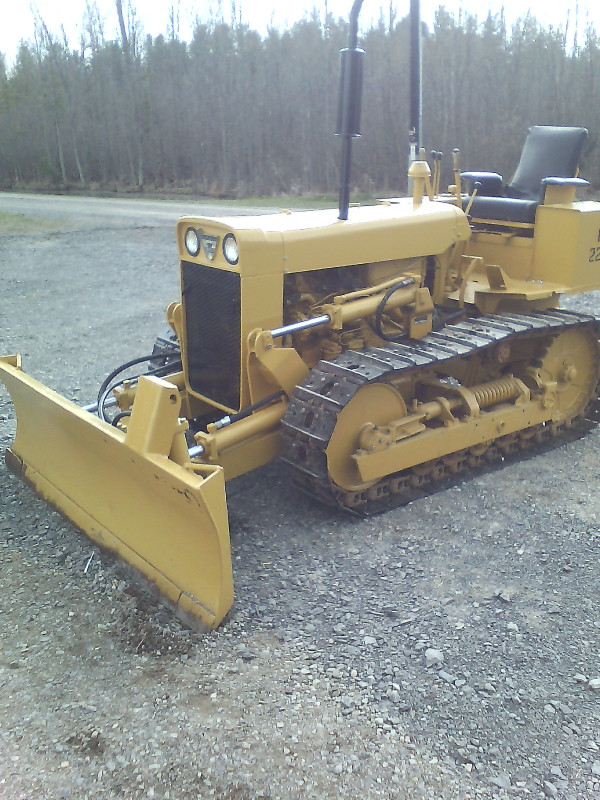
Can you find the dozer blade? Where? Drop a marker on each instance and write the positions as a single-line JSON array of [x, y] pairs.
[[166, 520]]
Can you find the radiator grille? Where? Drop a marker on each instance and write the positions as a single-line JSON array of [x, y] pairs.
[[212, 308]]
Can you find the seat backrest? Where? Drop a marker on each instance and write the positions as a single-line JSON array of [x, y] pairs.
[[549, 152]]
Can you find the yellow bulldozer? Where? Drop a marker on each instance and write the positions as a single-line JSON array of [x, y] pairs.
[[377, 350]]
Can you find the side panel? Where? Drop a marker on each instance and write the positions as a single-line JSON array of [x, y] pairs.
[[567, 246], [513, 253]]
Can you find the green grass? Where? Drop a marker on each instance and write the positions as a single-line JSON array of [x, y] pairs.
[[16, 224], [11, 223], [312, 201], [255, 201], [285, 201]]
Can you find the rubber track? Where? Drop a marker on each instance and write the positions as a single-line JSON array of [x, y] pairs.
[[313, 410]]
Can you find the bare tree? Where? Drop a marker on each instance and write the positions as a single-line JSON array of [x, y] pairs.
[[233, 111]]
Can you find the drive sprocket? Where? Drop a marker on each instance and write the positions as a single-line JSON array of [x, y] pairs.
[[570, 362]]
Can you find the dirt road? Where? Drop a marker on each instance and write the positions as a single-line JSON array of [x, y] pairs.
[[448, 649]]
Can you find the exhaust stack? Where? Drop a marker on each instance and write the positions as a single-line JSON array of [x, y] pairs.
[[349, 106]]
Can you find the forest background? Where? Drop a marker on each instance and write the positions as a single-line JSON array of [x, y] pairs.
[[236, 113]]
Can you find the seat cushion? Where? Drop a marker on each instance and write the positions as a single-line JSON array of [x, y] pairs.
[[504, 209]]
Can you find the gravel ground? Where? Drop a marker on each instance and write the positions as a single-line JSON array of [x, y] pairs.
[[448, 649]]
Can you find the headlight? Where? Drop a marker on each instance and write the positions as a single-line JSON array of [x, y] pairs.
[[192, 242], [230, 249]]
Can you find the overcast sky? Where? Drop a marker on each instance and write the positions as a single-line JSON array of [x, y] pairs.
[[16, 16]]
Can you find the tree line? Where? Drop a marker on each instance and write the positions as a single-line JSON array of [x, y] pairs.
[[236, 112]]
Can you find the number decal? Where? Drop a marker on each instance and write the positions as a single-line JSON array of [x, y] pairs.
[[594, 255]]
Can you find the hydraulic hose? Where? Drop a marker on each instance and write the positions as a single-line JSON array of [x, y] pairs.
[[106, 387], [118, 417], [246, 412], [381, 308]]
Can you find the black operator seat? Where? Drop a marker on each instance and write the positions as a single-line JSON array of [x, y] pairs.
[[550, 155]]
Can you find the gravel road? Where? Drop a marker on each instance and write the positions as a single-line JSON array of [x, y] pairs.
[[448, 649]]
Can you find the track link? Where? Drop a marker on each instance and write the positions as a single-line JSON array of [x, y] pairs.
[[314, 408]]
